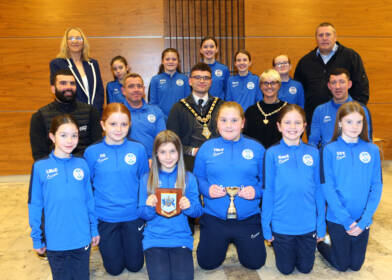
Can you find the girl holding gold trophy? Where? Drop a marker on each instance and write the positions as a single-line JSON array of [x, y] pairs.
[[229, 170]]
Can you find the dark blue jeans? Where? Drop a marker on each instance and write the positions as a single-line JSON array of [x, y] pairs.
[[346, 251], [169, 263], [70, 264], [294, 251], [217, 234], [121, 246]]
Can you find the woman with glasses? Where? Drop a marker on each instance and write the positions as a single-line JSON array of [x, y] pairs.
[[75, 55], [261, 118], [290, 90]]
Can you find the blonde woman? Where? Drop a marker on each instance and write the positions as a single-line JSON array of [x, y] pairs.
[[75, 55]]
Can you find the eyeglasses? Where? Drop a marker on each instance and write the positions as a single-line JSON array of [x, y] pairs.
[[199, 78], [139, 86], [281, 64], [75, 38], [272, 83]]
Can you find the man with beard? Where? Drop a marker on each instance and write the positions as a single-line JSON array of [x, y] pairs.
[[86, 116]]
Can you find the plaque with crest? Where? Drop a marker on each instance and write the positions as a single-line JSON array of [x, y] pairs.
[[168, 202]]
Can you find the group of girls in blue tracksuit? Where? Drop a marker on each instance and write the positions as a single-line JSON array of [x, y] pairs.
[[170, 85], [109, 198]]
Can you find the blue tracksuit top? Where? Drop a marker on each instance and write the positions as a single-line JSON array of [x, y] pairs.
[[147, 122], [292, 92], [230, 163], [114, 93], [169, 232], [166, 90], [244, 90], [293, 202], [115, 174], [323, 122], [220, 75], [61, 187], [351, 181]]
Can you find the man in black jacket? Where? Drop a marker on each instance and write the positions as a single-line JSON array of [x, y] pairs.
[[86, 116], [313, 70], [194, 118]]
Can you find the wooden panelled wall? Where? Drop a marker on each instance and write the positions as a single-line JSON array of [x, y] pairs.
[[30, 36], [31, 31], [274, 27]]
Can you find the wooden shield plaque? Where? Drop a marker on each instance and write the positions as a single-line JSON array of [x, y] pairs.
[[168, 202]]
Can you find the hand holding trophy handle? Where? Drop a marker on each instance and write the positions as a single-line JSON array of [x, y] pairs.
[[216, 191], [232, 211]]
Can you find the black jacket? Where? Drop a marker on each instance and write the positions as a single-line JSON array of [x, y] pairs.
[[86, 116], [314, 75], [184, 123]]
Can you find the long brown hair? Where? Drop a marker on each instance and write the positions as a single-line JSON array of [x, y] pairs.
[[164, 137], [346, 109]]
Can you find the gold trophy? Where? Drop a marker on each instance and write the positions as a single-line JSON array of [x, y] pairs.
[[232, 211]]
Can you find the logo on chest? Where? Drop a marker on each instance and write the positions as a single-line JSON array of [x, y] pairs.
[[217, 151], [102, 158], [365, 157], [327, 119], [151, 118], [179, 82], [250, 85], [51, 172], [162, 81], [247, 154], [307, 160], [283, 158], [83, 128], [78, 174], [235, 84], [218, 73], [293, 90], [130, 159], [340, 155]]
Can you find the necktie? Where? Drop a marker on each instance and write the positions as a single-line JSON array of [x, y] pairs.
[[200, 102]]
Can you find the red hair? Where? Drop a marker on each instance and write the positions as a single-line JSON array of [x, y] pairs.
[[115, 108]]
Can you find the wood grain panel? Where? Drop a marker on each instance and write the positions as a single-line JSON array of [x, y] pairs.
[[15, 148], [24, 66], [300, 17], [46, 18], [374, 56], [382, 123]]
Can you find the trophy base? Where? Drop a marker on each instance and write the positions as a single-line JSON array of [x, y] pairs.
[[231, 216]]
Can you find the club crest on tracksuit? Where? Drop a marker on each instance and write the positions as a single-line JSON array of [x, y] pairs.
[[365, 157], [130, 159], [78, 174], [218, 73]]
